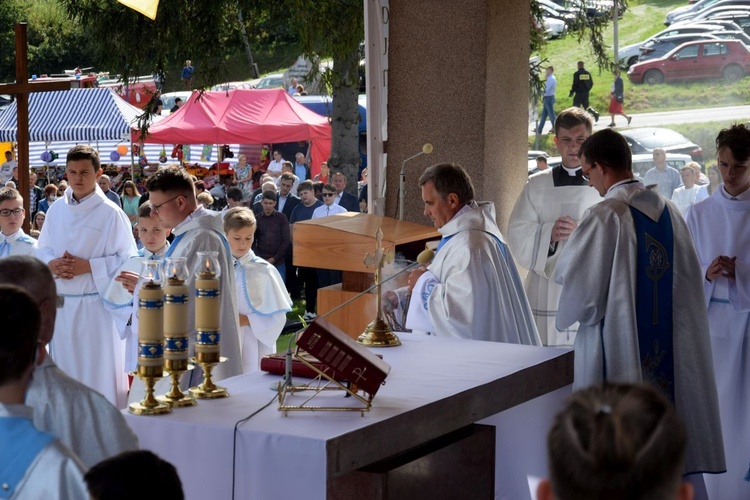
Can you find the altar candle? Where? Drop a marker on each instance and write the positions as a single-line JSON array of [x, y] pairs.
[[207, 309], [176, 312], [150, 324]]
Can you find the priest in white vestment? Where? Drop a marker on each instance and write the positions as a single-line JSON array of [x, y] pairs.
[[472, 289], [550, 207], [629, 278], [198, 230], [84, 241], [720, 226]]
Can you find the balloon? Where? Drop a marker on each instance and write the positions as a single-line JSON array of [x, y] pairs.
[[163, 158], [122, 149], [54, 155], [46, 157], [114, 155]]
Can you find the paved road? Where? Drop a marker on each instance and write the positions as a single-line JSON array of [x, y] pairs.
[[666, 118]]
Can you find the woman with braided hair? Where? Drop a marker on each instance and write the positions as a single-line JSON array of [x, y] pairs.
[[616, 441]]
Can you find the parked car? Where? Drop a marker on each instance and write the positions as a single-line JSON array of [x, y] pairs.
[[728, 59], [629, 55], [168, 99], [5, 101], [646, 139], [659, 47], [716, 11], [734, 35], [740, 17], [232, 85], [692, 11], [554, 28], [643, 162], [273, 81]]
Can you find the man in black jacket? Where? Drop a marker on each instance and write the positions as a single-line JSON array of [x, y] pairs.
[[346, 200], [582, 83]]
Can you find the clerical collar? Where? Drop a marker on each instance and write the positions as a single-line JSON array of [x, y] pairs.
[[571, 171], [73, 201], [466, 208], [743, 196], [624, 182]]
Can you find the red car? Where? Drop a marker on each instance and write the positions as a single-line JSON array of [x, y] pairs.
[[728, 59]]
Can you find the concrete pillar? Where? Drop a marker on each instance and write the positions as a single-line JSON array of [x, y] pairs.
[[458, 78]]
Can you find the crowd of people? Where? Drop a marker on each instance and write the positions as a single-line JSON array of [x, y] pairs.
[[645, 290]]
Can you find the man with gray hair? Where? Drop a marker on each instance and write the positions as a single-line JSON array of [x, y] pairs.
[[80, 417], [105, 183], [471, 289]]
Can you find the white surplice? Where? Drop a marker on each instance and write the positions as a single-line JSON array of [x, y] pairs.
[[529, 235], [55, 472], [262, 297], [203, 231], [120, 303], [721, 226], [597, 270], [477, 292], [80, 417], [86, 344]]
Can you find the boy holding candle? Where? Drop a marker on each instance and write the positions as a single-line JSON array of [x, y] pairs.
[[13, 240], [119, 295], [262, 298]]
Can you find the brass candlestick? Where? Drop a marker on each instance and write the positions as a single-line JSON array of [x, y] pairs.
[[175, 397], [378, 333], [149, 405], [207, 389]]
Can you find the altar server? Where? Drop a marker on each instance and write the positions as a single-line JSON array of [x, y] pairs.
[[472, 289], [80, 417], [720, 226], [119, 295], [549, 209], [628, 276], [262, 298], [196, 229], [13, 239], [33, 464], [85, 239]]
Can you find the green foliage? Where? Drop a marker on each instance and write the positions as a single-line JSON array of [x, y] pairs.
[[11, 12]]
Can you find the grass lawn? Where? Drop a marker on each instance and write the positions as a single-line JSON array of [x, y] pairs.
[[642, 19]]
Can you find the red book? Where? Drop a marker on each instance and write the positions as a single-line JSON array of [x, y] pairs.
[[349, 360], [276, 364]]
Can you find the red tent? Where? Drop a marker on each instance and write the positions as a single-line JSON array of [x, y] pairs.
[[243, 116]]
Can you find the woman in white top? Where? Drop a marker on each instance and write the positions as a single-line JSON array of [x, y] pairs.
[[714, 181]]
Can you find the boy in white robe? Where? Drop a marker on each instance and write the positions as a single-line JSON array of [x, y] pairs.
[[628, 276], [85, 239], [720, 226], [13, 240], [262, 298], [119, 295], [546, 213], [83, 420], [33, 464], [172, 194], [472, 289]]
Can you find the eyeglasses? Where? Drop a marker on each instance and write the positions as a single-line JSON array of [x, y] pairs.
[[328, 195], [7, 212], [155, 208]]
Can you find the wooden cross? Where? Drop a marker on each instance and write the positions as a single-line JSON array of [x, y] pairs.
[[22, 88]]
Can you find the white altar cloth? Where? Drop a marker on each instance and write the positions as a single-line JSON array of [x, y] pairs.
[[293, 457]]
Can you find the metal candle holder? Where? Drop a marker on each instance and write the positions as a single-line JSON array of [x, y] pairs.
[[378, 333]]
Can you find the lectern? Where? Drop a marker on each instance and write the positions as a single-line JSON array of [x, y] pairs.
[[341, 242]]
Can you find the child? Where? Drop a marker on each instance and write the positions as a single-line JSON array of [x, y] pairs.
[[119, 296], [262, 297], [13, 240], [330, 207]]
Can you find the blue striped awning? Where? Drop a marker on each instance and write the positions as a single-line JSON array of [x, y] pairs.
[[72, 115]]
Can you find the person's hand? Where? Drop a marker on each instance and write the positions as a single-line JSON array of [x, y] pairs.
[[721, 267], [61, 268], [414, 276], [128, 279], [78, 265], [563, 228]]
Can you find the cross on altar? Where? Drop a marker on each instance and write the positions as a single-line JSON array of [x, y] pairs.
[[22, 88]]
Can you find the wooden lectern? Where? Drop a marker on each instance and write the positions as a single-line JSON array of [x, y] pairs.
[[341, 242]]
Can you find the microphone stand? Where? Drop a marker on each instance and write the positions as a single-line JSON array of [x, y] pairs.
[[426, 149]]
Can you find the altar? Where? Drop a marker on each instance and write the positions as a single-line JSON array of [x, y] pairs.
[[436, 386]]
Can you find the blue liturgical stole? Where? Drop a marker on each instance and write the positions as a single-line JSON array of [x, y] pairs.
[[653, 299], [22, 443]]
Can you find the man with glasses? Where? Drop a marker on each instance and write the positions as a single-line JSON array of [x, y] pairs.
[[307, 275], [628, 278], [329, 206], [86, 238], [80, 417], [545, 215], [13, 240], [195, 230]]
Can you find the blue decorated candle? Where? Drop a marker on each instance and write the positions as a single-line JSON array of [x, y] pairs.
[[150, 324], [176, 311], [207, 307]]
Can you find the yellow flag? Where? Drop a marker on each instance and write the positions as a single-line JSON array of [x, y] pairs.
[[145, 7]]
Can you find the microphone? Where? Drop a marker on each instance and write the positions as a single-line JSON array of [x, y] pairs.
[[426, 149], [425, 258]]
